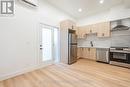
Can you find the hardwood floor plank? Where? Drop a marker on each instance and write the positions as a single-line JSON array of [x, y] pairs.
[[76, 82], [32, 80], [18, 82], [84, 77], [106, 76], [66, 78], [84, 73], [1, 84], [47, 79], [9, 83]]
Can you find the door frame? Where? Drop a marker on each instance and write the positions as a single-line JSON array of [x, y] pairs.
[[40, 62]]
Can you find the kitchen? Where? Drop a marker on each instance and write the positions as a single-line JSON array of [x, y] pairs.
[[106, 42]]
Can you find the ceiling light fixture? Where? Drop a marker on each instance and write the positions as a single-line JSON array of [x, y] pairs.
[[80, 10], [101, 1]]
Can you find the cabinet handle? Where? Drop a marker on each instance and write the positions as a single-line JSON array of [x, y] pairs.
[[90, 31], [102, 34]]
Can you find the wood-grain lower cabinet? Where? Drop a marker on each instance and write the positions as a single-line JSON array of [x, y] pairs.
[[84, 52], [92, 53], [79, 52]]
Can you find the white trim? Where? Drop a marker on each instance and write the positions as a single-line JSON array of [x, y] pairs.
[[25, 70]]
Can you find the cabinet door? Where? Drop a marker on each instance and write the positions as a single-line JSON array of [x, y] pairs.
[[91, 29], [88, 29], [107, 32], [100, 28], [78, 32], [103, 29], [79, 52], [93, 53], [94, 28], [71, 24], [86, 52], [81, 32], [68, 24], [64, 26]]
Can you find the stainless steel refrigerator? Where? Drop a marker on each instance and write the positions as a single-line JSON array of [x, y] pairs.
[[72, 49]]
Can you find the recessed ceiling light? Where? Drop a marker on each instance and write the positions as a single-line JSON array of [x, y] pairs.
[[101, 1], [80, 10]]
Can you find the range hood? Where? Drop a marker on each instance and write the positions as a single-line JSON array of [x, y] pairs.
[[120, 26]]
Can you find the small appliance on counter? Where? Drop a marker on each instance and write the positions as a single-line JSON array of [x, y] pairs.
[[102, 55], [72, 46], [120, 56]]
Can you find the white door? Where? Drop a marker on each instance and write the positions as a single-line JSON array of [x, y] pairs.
[[46, 44]]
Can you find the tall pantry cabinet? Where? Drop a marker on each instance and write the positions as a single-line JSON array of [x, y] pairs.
[[64, 26]]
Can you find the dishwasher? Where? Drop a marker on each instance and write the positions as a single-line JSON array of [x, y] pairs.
[[102, 55]]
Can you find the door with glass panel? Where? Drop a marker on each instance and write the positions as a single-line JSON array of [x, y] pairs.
[[46, 44]]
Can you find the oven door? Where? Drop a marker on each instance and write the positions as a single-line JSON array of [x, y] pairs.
[[119, 57]]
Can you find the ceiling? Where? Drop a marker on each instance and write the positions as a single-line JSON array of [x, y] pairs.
[[88, 7]]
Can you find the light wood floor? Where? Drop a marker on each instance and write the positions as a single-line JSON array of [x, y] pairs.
[[84, 73]]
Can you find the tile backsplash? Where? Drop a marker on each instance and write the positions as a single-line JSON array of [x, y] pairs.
[[118, 38], [121, 38]]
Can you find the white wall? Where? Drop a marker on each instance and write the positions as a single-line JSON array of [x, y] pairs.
[[19, 37], [117, 12]]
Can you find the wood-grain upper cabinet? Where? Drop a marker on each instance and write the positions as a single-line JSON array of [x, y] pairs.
[[103, 29], [81, 32], [68, 24], [84, 30], [94, 28], [89, 53], [88, 29], [107, 28]]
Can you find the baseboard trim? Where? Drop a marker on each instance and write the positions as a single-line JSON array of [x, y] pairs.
[[23, 71]]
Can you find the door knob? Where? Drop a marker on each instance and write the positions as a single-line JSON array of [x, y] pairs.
[[41, 48]]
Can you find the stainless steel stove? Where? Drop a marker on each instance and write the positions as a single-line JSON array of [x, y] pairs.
[[120, 56]]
